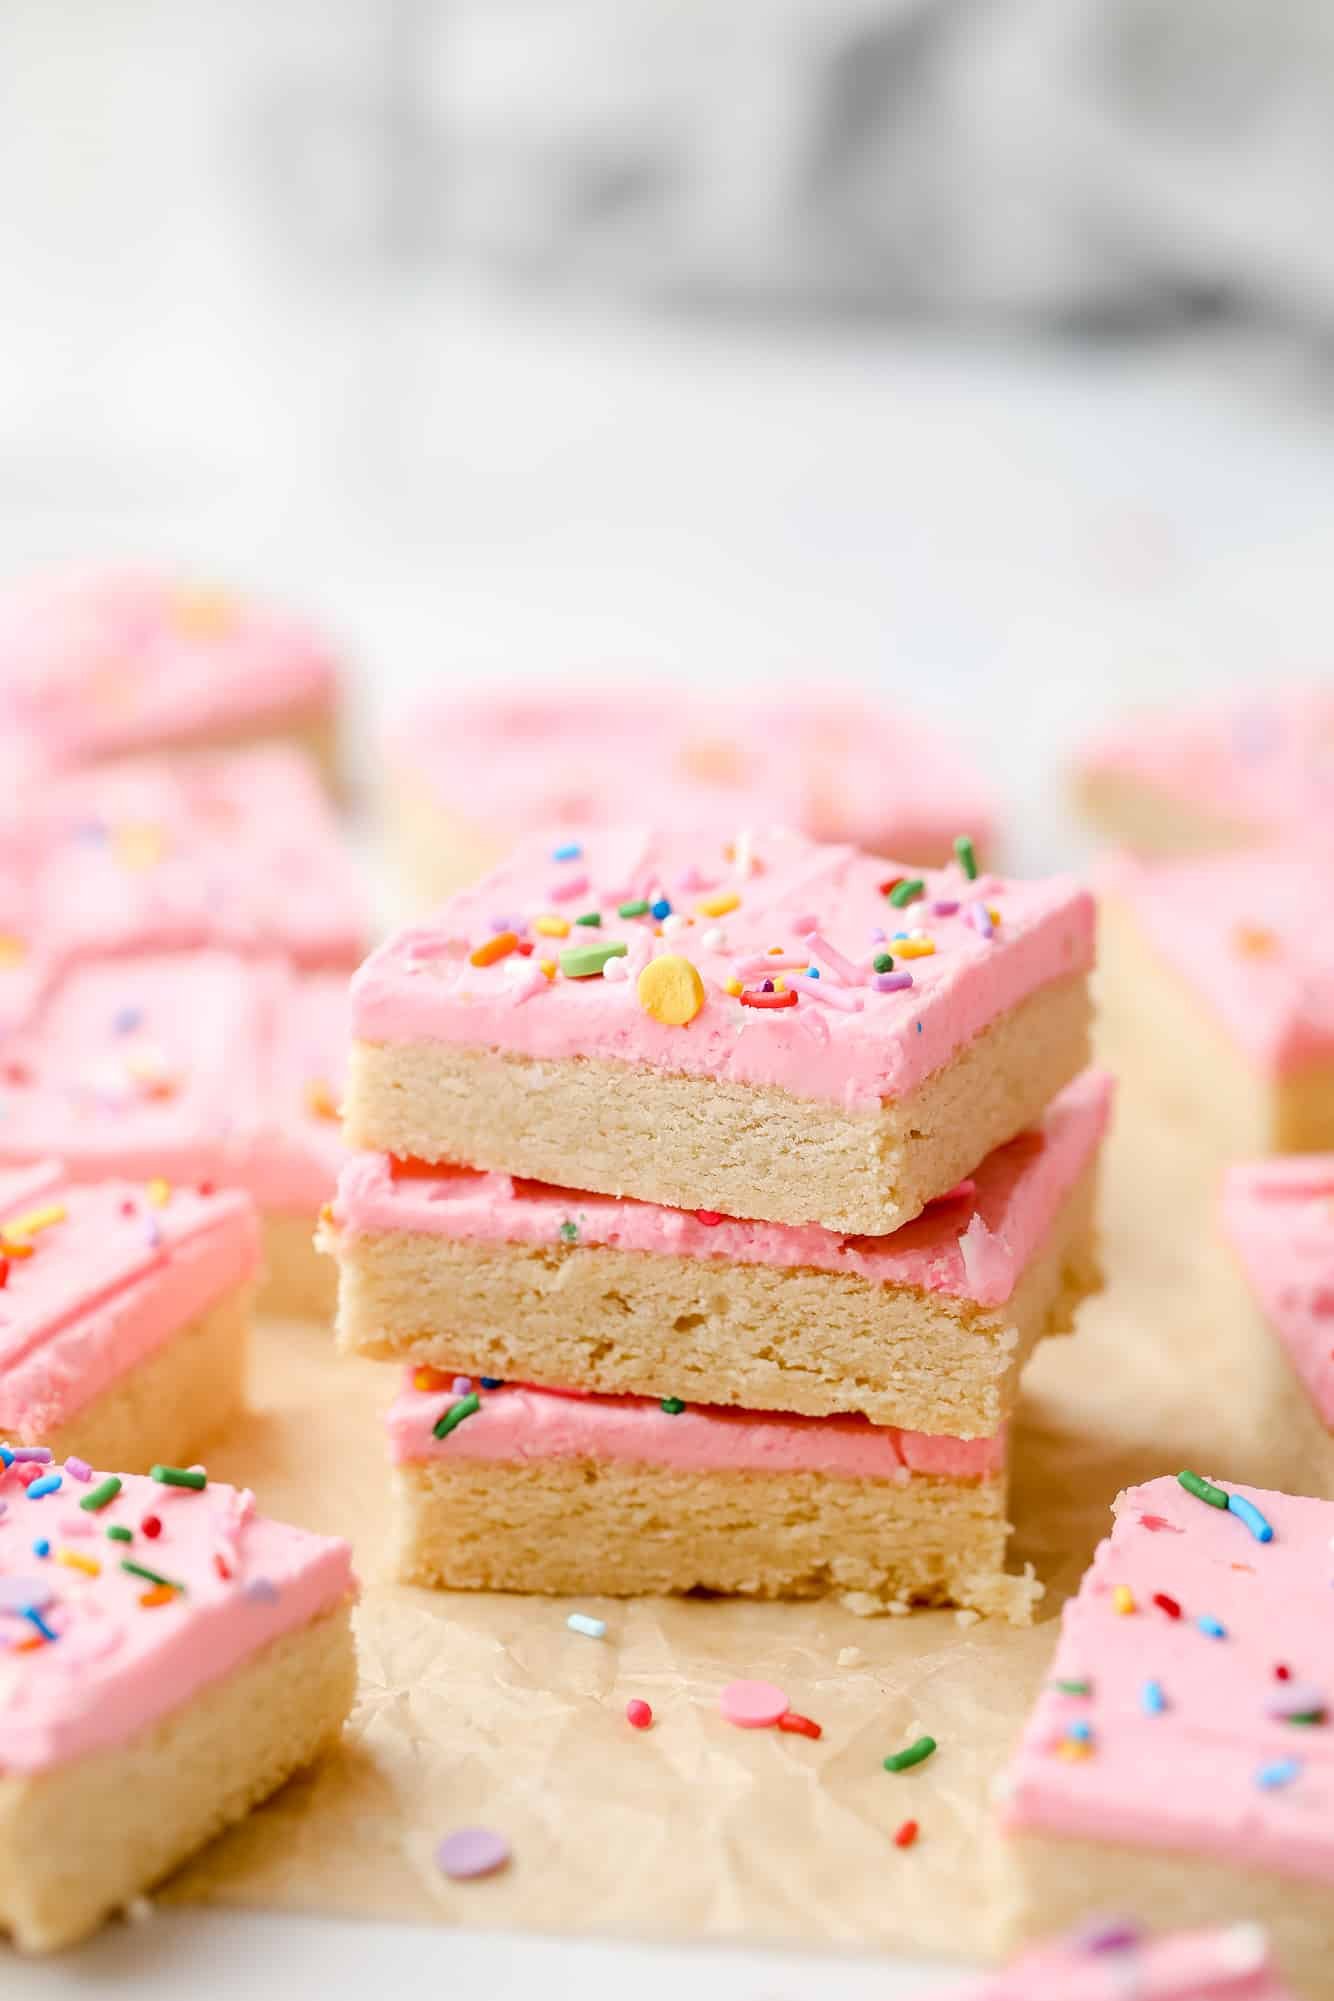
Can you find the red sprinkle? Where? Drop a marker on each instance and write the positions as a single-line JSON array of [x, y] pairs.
[[756, 999], [891, 882], [638, 1714], [525, 948], [17, 1073], [906, 1835], [220, 1566], [1166, 1604], [151, 1526], [1282, 1673], [1155, 1523], [207, 1188], [709, 1217], [799, 1726], [4, 1272]]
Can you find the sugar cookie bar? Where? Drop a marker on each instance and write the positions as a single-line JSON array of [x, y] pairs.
[[98, 664], [774, 1029], [1277, 1218], [124, 1314], [1114, 1958], [927, 1328], [1180, 1759], [470, 773], [512, 1488], [168, 1665], [294, 1162], [1221, 775], [1217, 992]]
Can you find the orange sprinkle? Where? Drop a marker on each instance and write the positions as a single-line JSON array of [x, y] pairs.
[[548, 967], [326, 1213], [905, 1836], [993, 913], [1123, 1598], [495, 948], [1072, 1749], [1254, 941], [427, 1378], [26, 1646], [320, 1100], [74, 1559], [552, 927], [161, 1594], [719, 904], [9, 1248], [13, 951]]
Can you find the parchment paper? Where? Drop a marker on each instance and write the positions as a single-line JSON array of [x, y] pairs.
[[487, 1710]]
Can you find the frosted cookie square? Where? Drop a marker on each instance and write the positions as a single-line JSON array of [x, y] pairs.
[[928, 1328], [1114, 1959], [770, 1028], [171, 1661], [1277, 1218]]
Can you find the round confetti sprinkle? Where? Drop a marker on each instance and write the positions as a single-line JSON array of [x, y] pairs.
[[752, 1705], [671, 990], [472, 1851], [585, 962], [638, 1714]]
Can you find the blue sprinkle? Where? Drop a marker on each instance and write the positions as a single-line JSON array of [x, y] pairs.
[[1281, 1773], [592, 1629], [662, 908], [6, 1457], [919, 1028], [1080, 1730], [898, 935], [32, 1614], [1247, 1512], [41, 1547], [1151, 1698], [126, 1020], [568, 851], [1212, 1628], [261, 1591], [492, 1382], [812, 972], [47, 1484]]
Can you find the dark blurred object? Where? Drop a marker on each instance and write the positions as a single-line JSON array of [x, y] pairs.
[[1107, 162]]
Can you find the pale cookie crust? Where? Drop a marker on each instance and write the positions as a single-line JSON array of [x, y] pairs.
[[1139, 816], [618, 1530], [435, 852], [764, 1337], [696, 1142], [80, 1841], [1046, 1886], [315, 733], [170, 1404], [300, 1283]]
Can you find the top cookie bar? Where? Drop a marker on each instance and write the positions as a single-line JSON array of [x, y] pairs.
[[768, 1027]]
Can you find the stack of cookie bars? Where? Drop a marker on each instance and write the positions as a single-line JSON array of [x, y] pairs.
[[714, 1195]]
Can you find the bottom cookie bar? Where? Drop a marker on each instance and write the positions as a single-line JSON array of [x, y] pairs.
[[1115, 1958], [546, 1491]]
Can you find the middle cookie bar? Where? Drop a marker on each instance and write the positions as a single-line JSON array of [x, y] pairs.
[[928, 1328]]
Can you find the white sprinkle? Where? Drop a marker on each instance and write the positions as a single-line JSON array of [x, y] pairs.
[[139, 1910], [965, 1616], [850, 1657], [592, 1629], [714, 939], [672, 923], [617, 969], [1242, 1949]]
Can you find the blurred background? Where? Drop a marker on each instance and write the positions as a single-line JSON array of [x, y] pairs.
[[978, 350]]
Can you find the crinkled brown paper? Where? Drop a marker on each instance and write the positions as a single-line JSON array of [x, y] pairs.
[[487, 1710]]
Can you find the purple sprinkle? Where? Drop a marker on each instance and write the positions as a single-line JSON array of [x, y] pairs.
[[32, 1455], [980, 919], [79, 1469], [891, 983], [877, 934], [472, 1851], [945, 908], [261, 1591], [768, 987], [126, 1020], [1296, 1698], [462, 1385], [24, 1594], [1110, 1935], [153, 1233]]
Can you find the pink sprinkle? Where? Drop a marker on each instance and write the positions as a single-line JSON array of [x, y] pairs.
[[765, 962], [75, 1524], [803, 926], [947, 907], [79, 1469], [1156, 1522], [830, 956], [532, 980], [891, 983], [638, 1714], [26, 1470], [832, 996], [567, 887], [752, 1705]]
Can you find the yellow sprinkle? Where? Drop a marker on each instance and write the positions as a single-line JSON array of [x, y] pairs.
[[202, 613], [552, 927], [74, 1559], [1123, 1598], [548, 966], [13, 951], [326, 1213], [320, 1100], [671, 990], [780, 986], [1073, 1748], [719, 904], [159, 1192], [914, 948], [732, 987], [36, 1219], [993, 913], [139, 847]]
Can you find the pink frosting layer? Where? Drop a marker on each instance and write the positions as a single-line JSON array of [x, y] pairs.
[[1110, 1963], [95, 665], [1249, 933], [1278, 1217], [106, 1286], [200, 1066], [973, 1244], [1215, 1770], [1266, 759], [239, 851], [844, 1040], [504, 760], [520, 1422], [114, 1665]]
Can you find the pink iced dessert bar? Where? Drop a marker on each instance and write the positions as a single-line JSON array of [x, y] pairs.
[[1180, 1759], [168, 1657], [1114, 1961], [767, 1027], [1277, 1217], [99, 665], [473, 772], [124, 1311]]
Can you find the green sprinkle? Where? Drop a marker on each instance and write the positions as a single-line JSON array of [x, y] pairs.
[[590, 917], [150, 1576], [1202, 1490], [98, 1496], [883, 962], [178, 1476], [916, 1754], [904, 893], [967, 856], [638, 907], [673, 1406], [118, 1534], [1306, 1716], [568, 1232], [580, 962], [465, 1407], [1072, 1687]]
